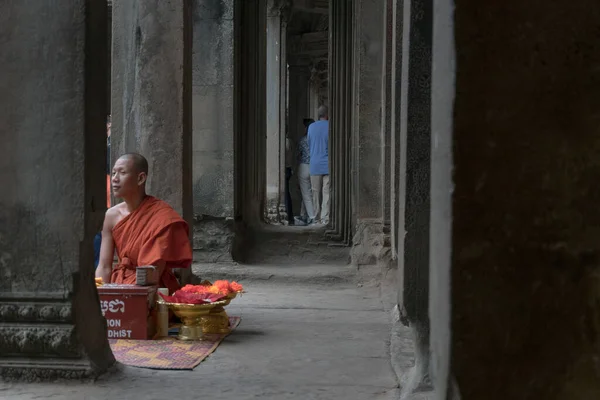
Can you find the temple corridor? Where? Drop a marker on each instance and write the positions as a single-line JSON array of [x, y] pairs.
[[461, 254], [317, 332]]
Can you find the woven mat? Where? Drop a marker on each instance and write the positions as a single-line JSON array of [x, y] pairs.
[[168, 353]]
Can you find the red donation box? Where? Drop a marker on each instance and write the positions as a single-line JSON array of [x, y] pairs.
[[128, 310]]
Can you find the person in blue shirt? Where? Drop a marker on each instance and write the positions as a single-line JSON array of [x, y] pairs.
[[318, 143], [307, 213]]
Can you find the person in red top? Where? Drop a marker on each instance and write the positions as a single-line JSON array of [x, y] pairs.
[[143, 229]]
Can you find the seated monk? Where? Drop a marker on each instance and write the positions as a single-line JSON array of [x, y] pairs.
[[143, 229]]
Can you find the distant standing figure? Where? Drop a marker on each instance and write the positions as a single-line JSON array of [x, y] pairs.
[[318, 142], [304, 174]]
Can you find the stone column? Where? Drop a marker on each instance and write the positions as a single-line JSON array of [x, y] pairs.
[[151, 95], [53, 105], [340, 127], [213, 130], [250, 118], [525, 218], [399, 72], [442, 88], [415, 185], [276, 73], [387, 113], [366, 135]]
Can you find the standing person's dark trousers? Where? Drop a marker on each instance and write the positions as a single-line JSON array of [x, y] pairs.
[[288, 196], [97, 243]]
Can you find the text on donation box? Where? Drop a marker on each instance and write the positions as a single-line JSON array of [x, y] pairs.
[[114, 312], [126, 316]]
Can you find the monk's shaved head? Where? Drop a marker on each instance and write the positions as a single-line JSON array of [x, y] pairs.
[[139, 162]]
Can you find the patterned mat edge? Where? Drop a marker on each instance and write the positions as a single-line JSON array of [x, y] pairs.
[[236, 322]]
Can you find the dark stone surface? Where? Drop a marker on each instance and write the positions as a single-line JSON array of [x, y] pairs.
[[525, 298], [249, 115], [212, 64], [53, 100]]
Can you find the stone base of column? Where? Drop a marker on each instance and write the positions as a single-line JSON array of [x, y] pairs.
[[51, 369], [272, 214], [368, 243], [39, 341], [213, 240]]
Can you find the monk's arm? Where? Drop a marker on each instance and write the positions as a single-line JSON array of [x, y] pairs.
[[107, 249]]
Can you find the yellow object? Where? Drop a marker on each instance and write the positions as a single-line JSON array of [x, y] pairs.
[[217, 320], [191, 317]]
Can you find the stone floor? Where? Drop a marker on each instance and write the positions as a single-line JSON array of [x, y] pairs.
[[316, 332]]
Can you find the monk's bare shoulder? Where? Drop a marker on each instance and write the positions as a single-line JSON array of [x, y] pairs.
[[113, 216]]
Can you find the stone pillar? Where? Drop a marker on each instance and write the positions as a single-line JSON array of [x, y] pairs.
[[53, 104], [525, 216], [151, 94], [152, 63], [366, 136], [213, 144], [442, 88], [340, 126], [276, 95], [387, 113], [399, 76], [285, 11], [250, 118], [414, 223]]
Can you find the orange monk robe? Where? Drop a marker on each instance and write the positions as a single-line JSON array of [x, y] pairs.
[[152, 233]]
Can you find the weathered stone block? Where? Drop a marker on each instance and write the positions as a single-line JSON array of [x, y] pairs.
[[213, 240]]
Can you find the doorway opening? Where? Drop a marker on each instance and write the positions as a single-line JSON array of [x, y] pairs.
[[296, 86]]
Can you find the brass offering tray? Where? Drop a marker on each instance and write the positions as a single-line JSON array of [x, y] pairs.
[[217, 320], [191, 317]]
